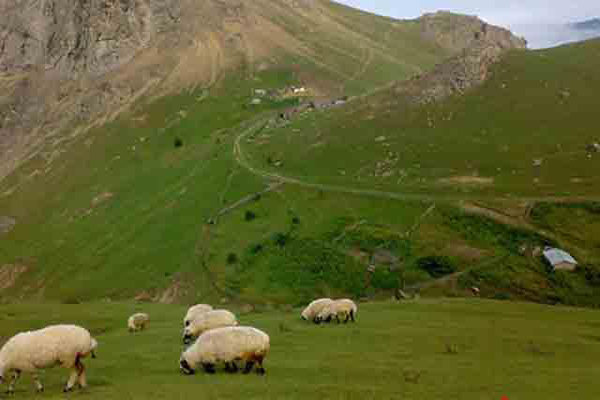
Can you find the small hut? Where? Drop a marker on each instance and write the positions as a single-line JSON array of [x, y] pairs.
[[559, 259]]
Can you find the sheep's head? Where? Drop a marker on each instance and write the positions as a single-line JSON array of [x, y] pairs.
[[185, 368], [188, 335], [304, 315]]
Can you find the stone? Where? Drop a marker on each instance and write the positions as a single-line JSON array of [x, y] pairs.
[[7, 224]]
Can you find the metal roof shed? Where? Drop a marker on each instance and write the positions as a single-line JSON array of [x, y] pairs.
[[560, 259]]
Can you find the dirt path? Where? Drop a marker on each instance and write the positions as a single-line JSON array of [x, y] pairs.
[[245, 200], [515, 222], [469, 207]]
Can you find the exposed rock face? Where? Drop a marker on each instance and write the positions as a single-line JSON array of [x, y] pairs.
[[457, 32], [482, 46], [78, 37]]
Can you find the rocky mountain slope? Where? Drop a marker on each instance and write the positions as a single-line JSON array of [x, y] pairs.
[[66, 66]]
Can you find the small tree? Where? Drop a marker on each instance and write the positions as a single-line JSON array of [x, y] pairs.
[[249, 216], [178, 142]]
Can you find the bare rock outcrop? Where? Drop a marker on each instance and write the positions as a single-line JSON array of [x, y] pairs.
[[479, 47]]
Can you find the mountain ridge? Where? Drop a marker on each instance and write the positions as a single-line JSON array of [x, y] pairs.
[[74, 66]]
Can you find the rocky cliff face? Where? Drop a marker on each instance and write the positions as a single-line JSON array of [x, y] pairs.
[[479, 46], [457, 32], [79, 37]]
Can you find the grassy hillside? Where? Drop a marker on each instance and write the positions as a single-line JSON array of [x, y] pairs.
[[524, 133], [507, 159], [170, 203], [417, 350]]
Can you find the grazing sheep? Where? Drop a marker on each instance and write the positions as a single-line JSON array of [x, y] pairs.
[[227, 345], [138, 322], [195, 311], [344, 308], [207, 321], [64, 345], [314, 308]]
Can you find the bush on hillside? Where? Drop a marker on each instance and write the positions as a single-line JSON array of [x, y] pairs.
[[178, 143], [591, 274], [249, 216], [280, 239], [232, 258], [437, 266], [386, 279]]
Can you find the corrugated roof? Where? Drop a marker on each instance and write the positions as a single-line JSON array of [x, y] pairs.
[[558, 256]]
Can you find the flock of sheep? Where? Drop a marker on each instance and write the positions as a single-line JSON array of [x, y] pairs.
[[215, 334]]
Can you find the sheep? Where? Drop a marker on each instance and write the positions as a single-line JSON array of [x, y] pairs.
[[28, 352], [195, 311], [343, 308], [138, 322], [314, 308], [227, 345], [209, 320]]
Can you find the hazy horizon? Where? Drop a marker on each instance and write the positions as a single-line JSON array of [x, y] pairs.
[[541, 22]]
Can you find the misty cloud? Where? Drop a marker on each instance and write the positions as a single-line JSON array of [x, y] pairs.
[[544, 23], [540, 36]]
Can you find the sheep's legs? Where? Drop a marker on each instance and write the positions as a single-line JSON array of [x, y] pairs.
[[38, 383], [260, 370], [231, 367], [209, 368], [72, 380], [352, 316], [248, 367], [82, 379], [13, 381], [77, 376]]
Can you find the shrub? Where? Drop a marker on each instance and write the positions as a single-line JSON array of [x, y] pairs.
[[591, 274], [280, 239], [178, 143], [232, 258], [385, 279], [501, 296], [296, 221], [436, 266], [257, 248], [249, 216]]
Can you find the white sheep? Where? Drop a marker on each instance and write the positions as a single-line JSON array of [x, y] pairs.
[[227, 345], [343, 308], [195, 311], [64, 345], [138, 322], [206, 321], [314, 308]]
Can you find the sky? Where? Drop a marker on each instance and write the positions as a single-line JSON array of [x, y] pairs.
[[540, 21]]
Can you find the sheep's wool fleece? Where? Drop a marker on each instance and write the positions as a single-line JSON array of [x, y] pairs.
[[137, 319], [211, 320], [46, 347], [195, 311], [337, 307], [314, 308], [227, 344]]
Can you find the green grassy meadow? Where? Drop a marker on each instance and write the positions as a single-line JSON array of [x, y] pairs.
[[426, 349], [523, 133]]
